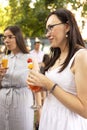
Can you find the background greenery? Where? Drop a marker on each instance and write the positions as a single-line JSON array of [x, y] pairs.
[[32, 20]]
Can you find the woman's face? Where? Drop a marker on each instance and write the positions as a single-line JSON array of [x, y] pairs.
[[10, 41], [56, 32]]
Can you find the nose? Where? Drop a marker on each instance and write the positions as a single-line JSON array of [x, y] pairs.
[[6, 40], [47, 34]]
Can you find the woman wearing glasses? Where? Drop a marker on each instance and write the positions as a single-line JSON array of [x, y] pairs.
[[65, 107], [15, 97]]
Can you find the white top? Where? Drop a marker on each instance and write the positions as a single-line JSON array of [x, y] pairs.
[[15, 97], [39, 55], [56, 116]]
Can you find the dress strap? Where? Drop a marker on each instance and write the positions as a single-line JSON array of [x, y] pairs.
[[72, 59]]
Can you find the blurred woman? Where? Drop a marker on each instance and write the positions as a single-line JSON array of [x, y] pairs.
[[15, 97]]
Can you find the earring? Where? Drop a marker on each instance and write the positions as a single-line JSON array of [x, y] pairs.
[[66, 35]]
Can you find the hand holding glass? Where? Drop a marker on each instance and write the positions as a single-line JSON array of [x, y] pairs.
[[3, 66], [33, 88]]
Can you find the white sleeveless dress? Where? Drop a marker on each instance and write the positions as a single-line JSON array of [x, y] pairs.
[[55, 116]]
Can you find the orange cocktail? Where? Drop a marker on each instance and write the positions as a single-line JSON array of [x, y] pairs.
[[35, 88], [31, 66], [4, 62]]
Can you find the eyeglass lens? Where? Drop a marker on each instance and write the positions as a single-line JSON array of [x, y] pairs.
[[9, 36]]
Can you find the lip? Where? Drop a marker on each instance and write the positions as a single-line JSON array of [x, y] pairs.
[[50, 39], [8, 46]]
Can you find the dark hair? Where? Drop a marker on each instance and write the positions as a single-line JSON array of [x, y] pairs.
[[36, 43], [19, 37], [46, 59], [75, 40]]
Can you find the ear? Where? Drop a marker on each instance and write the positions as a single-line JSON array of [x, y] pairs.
[[67, 27]]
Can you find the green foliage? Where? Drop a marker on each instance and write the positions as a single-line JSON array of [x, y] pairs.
[[32, 20], [4, 17], [84, 12]]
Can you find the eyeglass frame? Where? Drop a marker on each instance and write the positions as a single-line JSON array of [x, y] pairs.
[[50, 27], [9, 36]]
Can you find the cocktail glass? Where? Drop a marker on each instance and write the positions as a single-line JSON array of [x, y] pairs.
[[35, 90], [4, 62]]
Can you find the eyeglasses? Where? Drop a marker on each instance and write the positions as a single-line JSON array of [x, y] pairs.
[[50, 27], [9, 36]]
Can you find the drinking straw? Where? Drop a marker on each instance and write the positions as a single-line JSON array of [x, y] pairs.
[[6, 53]]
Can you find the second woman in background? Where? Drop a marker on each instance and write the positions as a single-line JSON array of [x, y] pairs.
[[15, 97]]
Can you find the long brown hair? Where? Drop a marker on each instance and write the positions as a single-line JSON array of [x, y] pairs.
[[75, 40]]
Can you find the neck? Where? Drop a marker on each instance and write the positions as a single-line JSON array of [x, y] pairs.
[[37, 50], [63, 54], [16, 51]]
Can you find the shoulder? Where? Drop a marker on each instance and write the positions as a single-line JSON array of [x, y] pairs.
[[81, 57], [25, 56], [41, 52], [82, 53]]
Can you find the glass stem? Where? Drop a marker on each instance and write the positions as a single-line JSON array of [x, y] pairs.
[[34, 99]]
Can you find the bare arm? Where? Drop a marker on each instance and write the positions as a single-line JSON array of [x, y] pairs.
[[78, 103]]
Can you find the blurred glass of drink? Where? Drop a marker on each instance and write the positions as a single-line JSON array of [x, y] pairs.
[[5, 62], [31, 65], [35, 88]]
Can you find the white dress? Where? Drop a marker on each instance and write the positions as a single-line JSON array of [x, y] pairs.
[[15, 97], [55, 116]]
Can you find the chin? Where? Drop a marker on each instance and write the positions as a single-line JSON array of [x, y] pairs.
[[53, 46]]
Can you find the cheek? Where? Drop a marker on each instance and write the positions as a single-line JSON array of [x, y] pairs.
[[60, 34], [59, 37], [14, 45]]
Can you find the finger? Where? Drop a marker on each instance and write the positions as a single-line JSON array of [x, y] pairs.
[[33, 72], [2, 71], [1, 76], [0, 64], [30, 83], [30, 79]]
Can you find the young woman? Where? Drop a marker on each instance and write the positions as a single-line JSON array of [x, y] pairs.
[[65, 108], [15, 97]]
